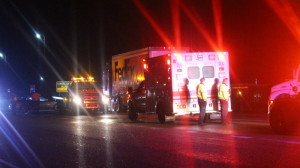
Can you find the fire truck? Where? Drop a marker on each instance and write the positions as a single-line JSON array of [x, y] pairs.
[[169, 84], [284, 104], [84, 94], [127, 72]]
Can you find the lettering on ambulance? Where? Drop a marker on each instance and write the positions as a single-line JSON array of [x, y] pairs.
[[123, 73], [199, 58], [181, 106]]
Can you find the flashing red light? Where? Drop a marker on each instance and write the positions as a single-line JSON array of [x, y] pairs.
[[221, 57], [145, 66]]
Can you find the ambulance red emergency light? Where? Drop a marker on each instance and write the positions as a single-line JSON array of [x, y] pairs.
[[187, 69]]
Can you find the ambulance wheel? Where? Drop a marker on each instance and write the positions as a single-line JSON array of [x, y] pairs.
[[132, 115], [160, 114]]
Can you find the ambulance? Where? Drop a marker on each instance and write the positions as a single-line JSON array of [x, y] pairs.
[[169, 84], [188, 68]]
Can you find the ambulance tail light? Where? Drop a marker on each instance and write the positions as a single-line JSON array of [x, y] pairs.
[[145, 64], [168, 62]]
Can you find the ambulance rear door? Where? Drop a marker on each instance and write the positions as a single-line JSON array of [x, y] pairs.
[[187, 69]]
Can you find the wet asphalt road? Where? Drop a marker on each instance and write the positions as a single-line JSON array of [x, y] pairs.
[[111, 140]]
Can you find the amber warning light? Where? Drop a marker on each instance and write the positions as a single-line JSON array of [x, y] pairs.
[[82, 79]]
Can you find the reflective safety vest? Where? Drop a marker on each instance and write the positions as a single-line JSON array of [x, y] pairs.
[[35, 97], [223, 93], [202, 93]]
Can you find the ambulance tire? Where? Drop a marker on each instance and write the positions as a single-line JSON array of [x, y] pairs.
[[132, 115], [160, 113], [277, 119]]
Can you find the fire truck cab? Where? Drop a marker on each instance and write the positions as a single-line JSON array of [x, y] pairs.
[[85, 95], [284, 101]]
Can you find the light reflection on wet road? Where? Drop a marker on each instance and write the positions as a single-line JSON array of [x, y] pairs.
[[110, 140]]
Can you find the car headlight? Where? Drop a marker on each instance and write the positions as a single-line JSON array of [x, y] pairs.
[[77, 100], [105, 99]]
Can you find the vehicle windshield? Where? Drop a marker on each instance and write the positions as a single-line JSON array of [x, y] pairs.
[[83, 85]]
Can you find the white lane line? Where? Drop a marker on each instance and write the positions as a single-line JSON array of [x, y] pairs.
[[243, 137], [8, 164], [283, 141]]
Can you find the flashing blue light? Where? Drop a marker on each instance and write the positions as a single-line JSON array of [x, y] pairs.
[[38, 36]]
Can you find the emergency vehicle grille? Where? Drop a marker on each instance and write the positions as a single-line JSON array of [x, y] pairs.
[[91, 102]]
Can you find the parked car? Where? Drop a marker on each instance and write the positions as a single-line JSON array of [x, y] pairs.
[[24, 104]]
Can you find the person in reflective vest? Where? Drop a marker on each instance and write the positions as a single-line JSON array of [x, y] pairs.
[[202, 97], [223, 95]]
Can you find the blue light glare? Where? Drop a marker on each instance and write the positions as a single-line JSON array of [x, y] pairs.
[[38, 36]]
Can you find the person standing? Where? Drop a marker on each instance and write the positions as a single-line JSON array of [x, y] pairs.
[[214, 95], [202, 97], [223, 95], [13, 101], [36, 101]]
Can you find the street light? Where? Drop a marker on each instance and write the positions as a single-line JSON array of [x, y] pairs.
[[41, 78], [38, 36], [2, 56], [3, 67], [41, 37]]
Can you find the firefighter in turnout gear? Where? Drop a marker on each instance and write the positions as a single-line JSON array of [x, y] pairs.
[[223, 95], [202, 97]]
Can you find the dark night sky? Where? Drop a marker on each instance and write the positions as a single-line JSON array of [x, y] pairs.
[[259, 43]]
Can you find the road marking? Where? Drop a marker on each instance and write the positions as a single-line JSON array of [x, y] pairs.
[[243, 137], [283, 141]]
